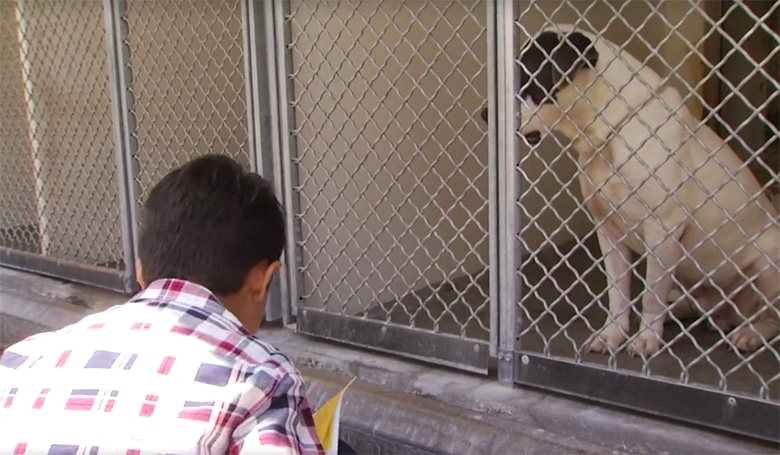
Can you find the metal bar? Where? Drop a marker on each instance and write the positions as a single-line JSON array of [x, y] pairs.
[[505, 119], [254, 134], [493, 172], [122, 102], [448, 350], [287, 153], [257, 87], [91, 275], [282, 286], [258, 76], [724, 411]]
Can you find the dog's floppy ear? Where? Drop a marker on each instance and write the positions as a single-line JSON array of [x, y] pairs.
[[575, 52], [484, 114]]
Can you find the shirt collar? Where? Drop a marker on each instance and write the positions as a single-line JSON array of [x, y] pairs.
[[188, 294]]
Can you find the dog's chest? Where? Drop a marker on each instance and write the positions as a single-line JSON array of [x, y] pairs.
[[615, 198]]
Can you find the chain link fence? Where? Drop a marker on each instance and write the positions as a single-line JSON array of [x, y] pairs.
[[96, 93], [392, 169], [186, 58], [650, 248], [59, 198]]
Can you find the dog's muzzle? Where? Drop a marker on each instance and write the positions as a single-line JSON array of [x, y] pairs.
[[533, 137], [484, 114]]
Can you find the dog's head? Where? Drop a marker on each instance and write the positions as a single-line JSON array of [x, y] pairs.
[[548, 65]]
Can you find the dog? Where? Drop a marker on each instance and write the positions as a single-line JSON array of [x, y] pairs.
[[658, 182]]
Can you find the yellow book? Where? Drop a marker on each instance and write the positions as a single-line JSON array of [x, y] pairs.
[[326, 422]]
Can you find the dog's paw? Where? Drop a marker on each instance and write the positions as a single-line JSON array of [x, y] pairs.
[[746, 339], [646, 344], [720, 323], [674, 295], [608, 340]]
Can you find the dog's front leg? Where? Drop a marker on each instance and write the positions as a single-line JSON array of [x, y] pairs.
[[664, 253], [617, 262]]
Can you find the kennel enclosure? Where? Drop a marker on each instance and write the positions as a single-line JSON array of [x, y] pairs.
[[414, 227]]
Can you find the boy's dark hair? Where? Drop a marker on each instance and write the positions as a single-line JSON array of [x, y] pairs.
[[210, 222]]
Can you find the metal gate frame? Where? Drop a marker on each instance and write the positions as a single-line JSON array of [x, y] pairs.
[[656, 396], [263, 125], [449, 350]]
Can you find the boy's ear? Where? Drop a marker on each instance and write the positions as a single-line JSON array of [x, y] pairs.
[[270, 271], [139, 274], [260, 277]]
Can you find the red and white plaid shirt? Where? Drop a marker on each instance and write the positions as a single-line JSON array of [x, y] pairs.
[[171, 371]]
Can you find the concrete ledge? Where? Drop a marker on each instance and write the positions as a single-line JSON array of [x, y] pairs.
[[532, 421], [400, 406], [426, 425]]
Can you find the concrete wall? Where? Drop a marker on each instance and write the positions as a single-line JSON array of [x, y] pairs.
[[548, 176], [393, 153], [748, 118], [17, 178], [188, 82]]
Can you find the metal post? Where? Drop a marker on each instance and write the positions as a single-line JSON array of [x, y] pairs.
[[286, 171], [122, 101], [506, 120], [493, 172], [257, 87], [260, 76]]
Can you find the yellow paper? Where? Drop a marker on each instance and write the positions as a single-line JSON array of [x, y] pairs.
[[326, 422]]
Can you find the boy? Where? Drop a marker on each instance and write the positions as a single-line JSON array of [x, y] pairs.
[[177, 369]]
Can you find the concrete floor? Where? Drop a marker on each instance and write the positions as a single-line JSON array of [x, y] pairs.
[[460, 307], [560, 313]]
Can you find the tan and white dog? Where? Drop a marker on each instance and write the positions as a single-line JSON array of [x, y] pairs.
[[659, 182]]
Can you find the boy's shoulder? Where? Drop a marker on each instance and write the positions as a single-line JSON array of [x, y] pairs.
[[122, 328], [267, 356]]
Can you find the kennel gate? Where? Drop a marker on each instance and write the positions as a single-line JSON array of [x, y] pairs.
[[560, 286], [392, 176]]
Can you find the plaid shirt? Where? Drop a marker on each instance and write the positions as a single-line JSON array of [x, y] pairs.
[[171, 371]]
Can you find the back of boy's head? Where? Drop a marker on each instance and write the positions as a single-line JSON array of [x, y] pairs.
[[210, 222]]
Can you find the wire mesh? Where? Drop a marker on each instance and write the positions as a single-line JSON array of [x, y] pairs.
[[57, 163], [186, 59], [392, 161], [635, 214]]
